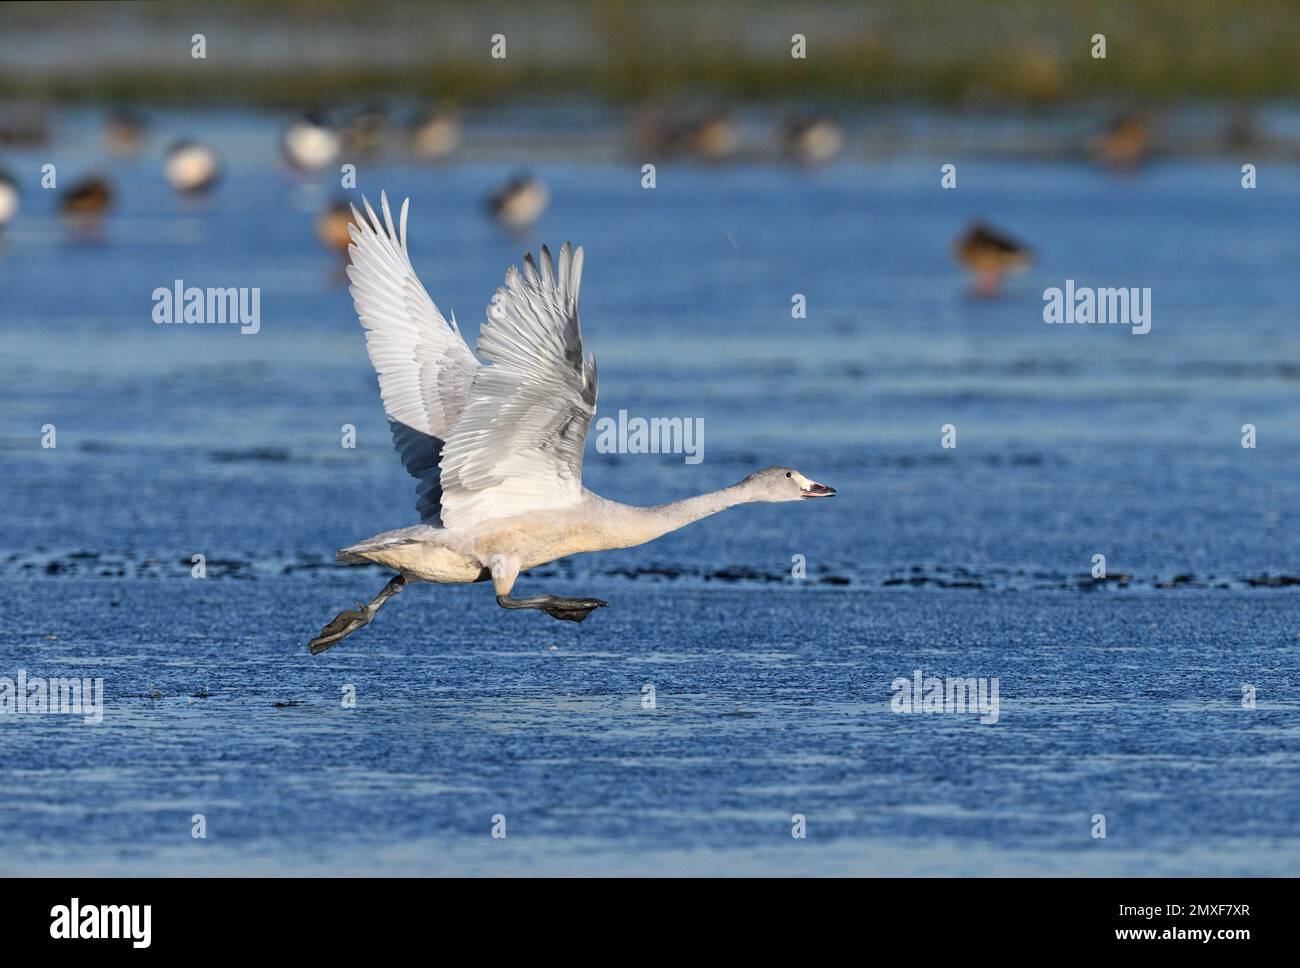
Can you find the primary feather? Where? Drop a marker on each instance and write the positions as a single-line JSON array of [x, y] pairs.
[[425, 369]]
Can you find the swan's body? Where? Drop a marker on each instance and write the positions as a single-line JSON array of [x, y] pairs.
[[450, 556], [497, 447]]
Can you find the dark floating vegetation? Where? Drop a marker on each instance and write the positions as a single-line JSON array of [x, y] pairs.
[[91, 564]]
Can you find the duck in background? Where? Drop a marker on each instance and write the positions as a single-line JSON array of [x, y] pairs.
[[989, 255], [519, 203], [812, 140], [435, 134], [364, 134], [125, 133], [85, 204], [309, 143], [10, 199], [192, 167], [712, 138], [332, 227], [27, 126], [1123, 144]]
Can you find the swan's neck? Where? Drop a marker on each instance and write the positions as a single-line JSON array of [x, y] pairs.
[[663, 518]]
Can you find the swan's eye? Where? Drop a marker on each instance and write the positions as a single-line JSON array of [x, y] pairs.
[[787, 473]]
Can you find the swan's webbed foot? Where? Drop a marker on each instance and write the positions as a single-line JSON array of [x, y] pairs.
[[565, 609], [345, 623], [573, 609]]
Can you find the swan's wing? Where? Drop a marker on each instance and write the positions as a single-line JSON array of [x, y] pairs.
[[517, 446], [425, 369]]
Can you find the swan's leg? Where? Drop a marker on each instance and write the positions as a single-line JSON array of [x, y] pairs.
[[566, 609], [345, 623], [504, 572]]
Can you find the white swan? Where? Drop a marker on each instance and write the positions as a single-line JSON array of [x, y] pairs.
[[497, 447]]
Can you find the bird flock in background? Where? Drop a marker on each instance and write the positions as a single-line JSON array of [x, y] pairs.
[[312, 142]]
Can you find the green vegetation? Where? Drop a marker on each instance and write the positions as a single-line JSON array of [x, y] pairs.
[[1017, 51]]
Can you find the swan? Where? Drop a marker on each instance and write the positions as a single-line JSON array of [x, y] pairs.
[[497, 445]]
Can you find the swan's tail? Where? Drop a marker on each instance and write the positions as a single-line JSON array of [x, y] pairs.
[[352, 556], [359, 554]]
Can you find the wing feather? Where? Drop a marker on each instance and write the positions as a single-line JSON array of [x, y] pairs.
[[425, 369], [518, 444]]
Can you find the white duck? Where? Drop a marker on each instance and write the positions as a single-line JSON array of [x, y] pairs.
[[497, 446], [9, 199], [519, 202], [309, 144], [191, 166]]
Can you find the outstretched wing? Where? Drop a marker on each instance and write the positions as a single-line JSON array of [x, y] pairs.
[[425, 369], [518, 444]]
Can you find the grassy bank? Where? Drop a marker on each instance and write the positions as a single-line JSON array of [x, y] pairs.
[[941, 51]]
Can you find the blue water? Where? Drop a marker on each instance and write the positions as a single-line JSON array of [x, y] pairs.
[[1121, 698]]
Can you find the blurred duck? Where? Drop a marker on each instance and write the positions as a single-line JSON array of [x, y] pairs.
[[711, 138], [85, 204], [309, 144], [25, 127], [192, 167], [124, 134], [519, 202], [989, 255], [9, 200], [332, 227], [813, 141], [1124, 143], [364, 133], [435, 135], [1241, 128]]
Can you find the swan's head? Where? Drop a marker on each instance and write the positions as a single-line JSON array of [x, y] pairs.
[[785, 484]]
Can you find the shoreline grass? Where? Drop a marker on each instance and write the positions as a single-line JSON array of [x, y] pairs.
[[945, 52]]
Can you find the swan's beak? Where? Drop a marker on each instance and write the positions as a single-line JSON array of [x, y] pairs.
[[817, 490]]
